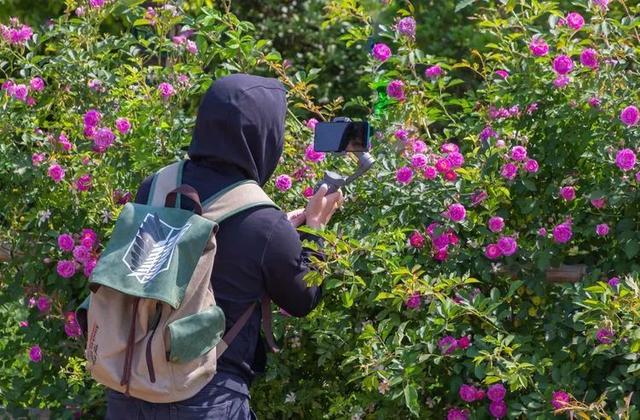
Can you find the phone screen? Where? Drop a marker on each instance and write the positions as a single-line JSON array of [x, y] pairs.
[[341, 137]]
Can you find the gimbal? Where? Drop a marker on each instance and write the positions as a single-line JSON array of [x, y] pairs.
[[334, 180]]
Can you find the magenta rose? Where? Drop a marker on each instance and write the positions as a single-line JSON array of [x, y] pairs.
[[605, 335], [531, 166], [395, 89], [589, 58], [448, 344], [468, 393], [562, 233], [404, 175], [562, 64], [509, 171], [496, 392], [559, 399], [518, 153], [433, 72], [414, 301], [492, 251], [457, 414], [602, 229], [123, 125], [283, 182], [538, 46], [430, 172], [626, 159], [457, 212], [496, 224], [575, 21], [416, 240], [508, 245], [498, 409], [381, 52], [56, 173], [66, 269], [630, 115], [66, 242], [407, 27], [35, 354], [92, 118], [166, 90], [568, 193], [311, 123]]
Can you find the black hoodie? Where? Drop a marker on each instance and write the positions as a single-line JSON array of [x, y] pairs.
[[239, 134]]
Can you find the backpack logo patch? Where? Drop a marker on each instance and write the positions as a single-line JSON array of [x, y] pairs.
[[151, 250]]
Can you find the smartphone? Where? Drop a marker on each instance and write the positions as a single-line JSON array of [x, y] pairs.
[[341, 137]]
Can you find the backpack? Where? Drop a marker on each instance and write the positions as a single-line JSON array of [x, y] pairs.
[[154, 331]]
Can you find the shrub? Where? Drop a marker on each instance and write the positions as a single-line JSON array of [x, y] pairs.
[[436, 299]]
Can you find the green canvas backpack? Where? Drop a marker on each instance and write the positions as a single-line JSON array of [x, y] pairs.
[[153, 328]]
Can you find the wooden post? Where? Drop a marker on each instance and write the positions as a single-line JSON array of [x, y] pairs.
[[566, 273], [5, 252]]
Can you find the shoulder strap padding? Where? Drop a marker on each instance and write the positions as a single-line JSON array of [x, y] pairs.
[[234, 199], [165, 180]]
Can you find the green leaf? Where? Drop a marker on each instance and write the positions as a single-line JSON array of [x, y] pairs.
[[463, 4], [411, 399], [631, 248]]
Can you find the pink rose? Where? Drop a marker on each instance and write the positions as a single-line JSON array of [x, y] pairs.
[[518, 153], [56, 173], [509, 171], [562, 64], [35, 354], [496, 224], [492, 251], [66, 269], [381, 52], [630, 115], [416, 240], [575, 21], [508, 245], [283, 182], [602, 229], [559, 399], [457, 212], [311, 124], [538, 46], [404, 175], [123, 125], [430, 173], [496, 392], [568, 193], [531, 166]]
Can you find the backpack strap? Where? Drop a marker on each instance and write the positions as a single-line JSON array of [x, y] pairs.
[[265, 307], [234, 199], [164, 181]]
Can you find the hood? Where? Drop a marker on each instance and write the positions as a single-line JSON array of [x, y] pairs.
[[240, 122]]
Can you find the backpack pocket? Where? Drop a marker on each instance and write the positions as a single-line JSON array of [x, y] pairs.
[[195, 335]]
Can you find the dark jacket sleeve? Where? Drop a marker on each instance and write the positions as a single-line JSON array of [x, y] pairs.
[[284, 265], [143, 192]]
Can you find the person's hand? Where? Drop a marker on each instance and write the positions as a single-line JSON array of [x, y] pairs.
[[322, 206], [296, 217]]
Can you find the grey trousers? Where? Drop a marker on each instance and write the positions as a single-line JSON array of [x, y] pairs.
[[212, 402]]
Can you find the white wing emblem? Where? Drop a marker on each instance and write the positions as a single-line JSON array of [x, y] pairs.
[[151, 250]]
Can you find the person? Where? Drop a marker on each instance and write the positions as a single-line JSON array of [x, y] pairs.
[[239, 134]]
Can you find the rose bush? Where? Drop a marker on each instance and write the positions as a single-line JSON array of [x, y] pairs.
[[436, 300]]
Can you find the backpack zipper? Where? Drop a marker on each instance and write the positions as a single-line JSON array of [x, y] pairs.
[[149, 356]]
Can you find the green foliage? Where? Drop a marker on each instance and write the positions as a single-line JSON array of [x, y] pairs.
[[363, 353]]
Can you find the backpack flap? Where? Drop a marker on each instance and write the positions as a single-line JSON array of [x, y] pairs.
[[153, 252]]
